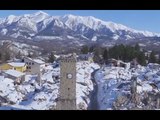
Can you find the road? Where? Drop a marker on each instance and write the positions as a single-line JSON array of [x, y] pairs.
[[93, 96]]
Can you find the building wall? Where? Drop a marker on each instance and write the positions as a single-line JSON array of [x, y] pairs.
[[6, 66], [85, 58], [32, 67], [17, 80], [21, 69], [35, 69], [11, 77], [67, 89]]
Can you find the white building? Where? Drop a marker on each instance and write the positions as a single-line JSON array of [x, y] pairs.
[[119, 63], [14, 75], [34, 66], [147, 54], [85, 57], [157, 56]]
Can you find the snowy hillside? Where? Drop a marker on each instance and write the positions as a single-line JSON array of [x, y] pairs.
[[30, 96], [21, 48]]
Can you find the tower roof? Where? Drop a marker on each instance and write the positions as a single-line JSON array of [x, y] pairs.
[[68, 59]]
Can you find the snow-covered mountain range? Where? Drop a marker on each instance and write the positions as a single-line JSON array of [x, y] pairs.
[[41, 25]]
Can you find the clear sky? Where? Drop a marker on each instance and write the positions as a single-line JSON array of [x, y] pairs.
[[137, 19]]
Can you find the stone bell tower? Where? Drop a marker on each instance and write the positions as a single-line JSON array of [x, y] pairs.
[[67, 91]]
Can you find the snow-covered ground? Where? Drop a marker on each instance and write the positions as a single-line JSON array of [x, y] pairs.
[[31, 96], [84, 83], [116, 81], [114, 84]]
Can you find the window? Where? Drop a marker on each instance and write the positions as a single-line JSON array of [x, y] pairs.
[[32, 63], [28, 67], [27, 63], [69, 92]]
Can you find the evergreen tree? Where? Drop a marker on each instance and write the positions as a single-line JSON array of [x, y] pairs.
[[18, 56], [137, 47], [113, 52], [141, 58], [6, 55], [85, 49], [105, 55], [97, 53], [29, 55], [92, 48], [121, 52], [51, 58], [152, 58], [34, 54], [127, 53]]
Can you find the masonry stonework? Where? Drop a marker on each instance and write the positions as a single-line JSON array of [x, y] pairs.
[[67, 91]]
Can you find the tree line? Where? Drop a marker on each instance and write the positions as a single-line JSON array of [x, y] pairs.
[[122, 52], [4, 56]]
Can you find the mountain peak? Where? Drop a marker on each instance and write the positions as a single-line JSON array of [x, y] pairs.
[[69, 15], [11, 18], [41, 13], [39, 16]]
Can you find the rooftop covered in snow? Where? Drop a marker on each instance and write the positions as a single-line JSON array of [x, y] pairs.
[[38, 61], [17, 64], [14, 73]]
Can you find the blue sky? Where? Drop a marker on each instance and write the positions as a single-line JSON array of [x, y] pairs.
[[137, 19]]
